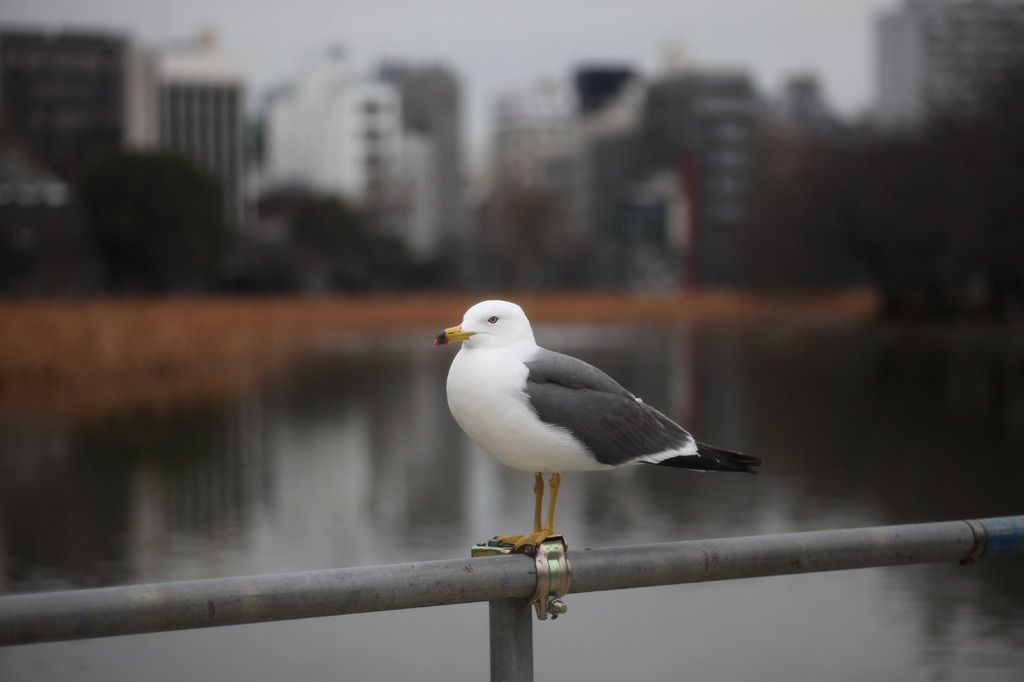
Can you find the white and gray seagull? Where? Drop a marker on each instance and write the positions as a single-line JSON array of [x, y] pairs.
[[544, 412]]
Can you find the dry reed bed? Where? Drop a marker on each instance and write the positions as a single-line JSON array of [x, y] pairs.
[[59, 342]]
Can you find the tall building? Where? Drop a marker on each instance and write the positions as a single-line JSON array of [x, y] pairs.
[[536, 139], [802, 105], [334, 131], [597, 86], [531, 215], [612, 168], [63, 93], [190, 98], [432, 168], [931, 55], [648, 178], [699, 125], [421, 227]]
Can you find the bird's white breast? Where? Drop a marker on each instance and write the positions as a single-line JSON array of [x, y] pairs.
[[487, 398]]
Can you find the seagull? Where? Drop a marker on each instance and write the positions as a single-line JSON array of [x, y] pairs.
[[544, 412]]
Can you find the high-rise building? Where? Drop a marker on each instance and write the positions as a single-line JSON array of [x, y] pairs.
[[63, 93], [432, 166], [531, 216], [802, 106], [611, 123], [334, 131], [597, 86], [649, 178], [420, 225], [536, 139], [932, 55], [699, 125], [190, 98]]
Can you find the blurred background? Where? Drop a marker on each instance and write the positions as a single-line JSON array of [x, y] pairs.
[[187, 187], [347, 146]]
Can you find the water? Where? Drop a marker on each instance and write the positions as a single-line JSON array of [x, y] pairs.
[[349, 457]]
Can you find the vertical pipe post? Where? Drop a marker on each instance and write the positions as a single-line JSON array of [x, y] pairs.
[[511, 626]]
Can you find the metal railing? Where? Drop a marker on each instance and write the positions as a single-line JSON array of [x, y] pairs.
[[507, 582]]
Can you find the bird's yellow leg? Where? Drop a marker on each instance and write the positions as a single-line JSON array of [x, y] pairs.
[[538, 493], [554, 483], [539, 534]]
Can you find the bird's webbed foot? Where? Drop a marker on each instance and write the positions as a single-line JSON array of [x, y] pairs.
[[520, 541]]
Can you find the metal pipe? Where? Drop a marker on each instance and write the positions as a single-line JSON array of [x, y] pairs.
[[52, 616], [511, 630], [134, 609], [748, 557]]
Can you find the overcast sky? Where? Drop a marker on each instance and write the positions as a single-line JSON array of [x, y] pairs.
[[496, 46]]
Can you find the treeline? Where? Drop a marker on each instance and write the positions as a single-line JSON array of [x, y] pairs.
[[934, 220], [315, 243], [155, 220]]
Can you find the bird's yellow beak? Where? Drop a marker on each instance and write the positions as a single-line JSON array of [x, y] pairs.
[[451, 334]]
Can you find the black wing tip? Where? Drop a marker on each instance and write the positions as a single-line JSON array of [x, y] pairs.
[[741, 462], [711, 458], [746, 463]]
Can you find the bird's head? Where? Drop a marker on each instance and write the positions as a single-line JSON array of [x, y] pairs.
[[489, 324]]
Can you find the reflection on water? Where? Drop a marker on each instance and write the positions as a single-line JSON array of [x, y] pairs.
[[349, 457]]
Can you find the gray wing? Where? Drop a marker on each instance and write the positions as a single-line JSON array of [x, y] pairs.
[[605, 417]]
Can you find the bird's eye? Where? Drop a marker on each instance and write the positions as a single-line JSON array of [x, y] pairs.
[[493, 319]]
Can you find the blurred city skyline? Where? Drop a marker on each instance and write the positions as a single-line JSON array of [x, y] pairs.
[[497, 49]]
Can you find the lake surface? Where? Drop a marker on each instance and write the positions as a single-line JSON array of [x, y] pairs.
[[348, 456]]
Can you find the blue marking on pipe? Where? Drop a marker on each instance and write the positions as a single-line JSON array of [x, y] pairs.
[[1005, 535]]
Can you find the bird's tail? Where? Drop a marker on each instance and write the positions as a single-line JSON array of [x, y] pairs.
[[710, 458]]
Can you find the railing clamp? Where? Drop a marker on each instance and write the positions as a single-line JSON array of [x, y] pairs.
[[554, 578], [554, 571]]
